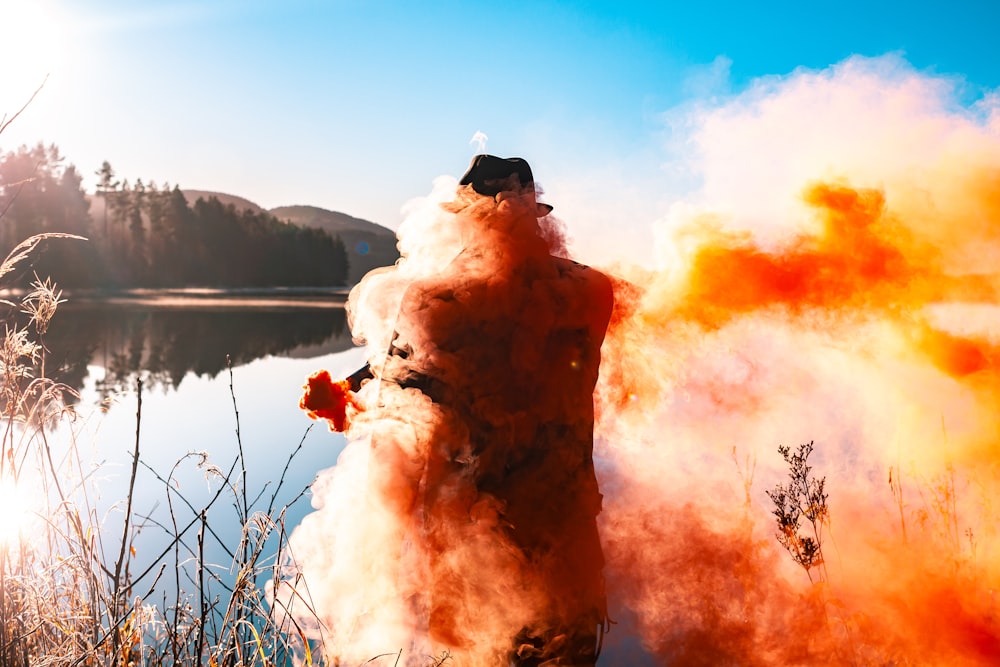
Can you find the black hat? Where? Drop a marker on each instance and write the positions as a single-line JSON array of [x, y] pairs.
[[488, 175]]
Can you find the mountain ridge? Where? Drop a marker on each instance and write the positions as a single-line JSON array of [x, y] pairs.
[[369, 245]]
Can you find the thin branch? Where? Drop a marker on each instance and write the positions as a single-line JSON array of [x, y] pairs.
[[128, 509], [20, 186], [288, 462], [4, 124]]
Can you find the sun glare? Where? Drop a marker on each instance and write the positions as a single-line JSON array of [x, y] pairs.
[[31, 43], [14, 511]]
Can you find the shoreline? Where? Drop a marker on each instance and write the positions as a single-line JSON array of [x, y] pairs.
[[206, 297]]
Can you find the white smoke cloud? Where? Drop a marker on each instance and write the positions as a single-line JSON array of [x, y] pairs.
[[876, 122], [479, 140]]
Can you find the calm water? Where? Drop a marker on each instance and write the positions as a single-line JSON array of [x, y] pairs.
[[187, 406]]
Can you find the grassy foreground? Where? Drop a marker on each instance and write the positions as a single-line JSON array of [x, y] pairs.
[[73, 589]]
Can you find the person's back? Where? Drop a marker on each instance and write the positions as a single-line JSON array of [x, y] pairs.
[[479, 532], [507, 340]]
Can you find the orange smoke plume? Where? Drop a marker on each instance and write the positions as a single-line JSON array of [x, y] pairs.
[[833, 279], [832, 335], [849, 264], [474, 474], [863, 317], [329, 400]]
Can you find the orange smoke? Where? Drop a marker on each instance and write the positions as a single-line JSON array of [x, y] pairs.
[[851, 263], [329, 400], [865, 319], [846, 294], [470, 525], [829, 337]]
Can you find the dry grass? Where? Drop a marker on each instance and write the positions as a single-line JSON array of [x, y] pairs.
[[73, 590]]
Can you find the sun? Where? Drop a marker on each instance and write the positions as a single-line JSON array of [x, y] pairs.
[[31, 44]]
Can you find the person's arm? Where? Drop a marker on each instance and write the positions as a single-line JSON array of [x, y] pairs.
[[355, 379]]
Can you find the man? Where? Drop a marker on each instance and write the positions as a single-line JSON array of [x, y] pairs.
[[482, 436]]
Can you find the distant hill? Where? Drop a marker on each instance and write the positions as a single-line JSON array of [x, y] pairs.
[[240, 203], [368, 244]]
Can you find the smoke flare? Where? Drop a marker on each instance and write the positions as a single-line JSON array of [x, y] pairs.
[[329, 400]]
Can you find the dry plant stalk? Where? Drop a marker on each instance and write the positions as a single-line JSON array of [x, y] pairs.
[[804, 496], [76, 593]]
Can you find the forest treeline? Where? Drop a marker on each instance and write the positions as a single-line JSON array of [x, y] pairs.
[[146, 235]]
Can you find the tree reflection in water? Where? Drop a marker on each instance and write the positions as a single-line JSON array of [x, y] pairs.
[[162, 345]]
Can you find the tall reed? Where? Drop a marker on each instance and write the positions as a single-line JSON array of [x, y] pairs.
[[73, 588]]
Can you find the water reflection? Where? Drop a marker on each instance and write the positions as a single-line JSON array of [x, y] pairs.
[[165, 344]]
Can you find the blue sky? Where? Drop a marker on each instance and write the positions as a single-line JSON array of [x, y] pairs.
[[358, 106]]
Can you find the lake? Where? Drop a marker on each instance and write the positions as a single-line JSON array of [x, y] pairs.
[[183, 355], [178, 345], [193, 355]]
